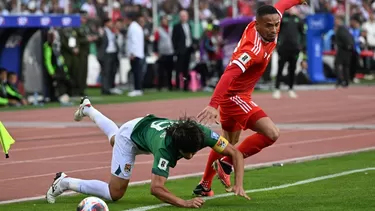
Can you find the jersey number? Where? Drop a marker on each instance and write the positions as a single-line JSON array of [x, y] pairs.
[[160, 125], [163, 164]]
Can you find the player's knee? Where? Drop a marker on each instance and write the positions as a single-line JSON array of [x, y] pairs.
[[117, 188], [273, 133], [116, 194]]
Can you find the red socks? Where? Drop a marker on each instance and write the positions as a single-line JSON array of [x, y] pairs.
[[250, 146], [209, 172]]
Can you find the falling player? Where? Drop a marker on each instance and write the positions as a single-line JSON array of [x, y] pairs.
[[233, 94], [167, 140]]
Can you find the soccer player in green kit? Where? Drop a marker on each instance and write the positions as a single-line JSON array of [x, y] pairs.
[[167, 140]]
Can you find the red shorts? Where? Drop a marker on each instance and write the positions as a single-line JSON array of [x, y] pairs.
[[239, 113]]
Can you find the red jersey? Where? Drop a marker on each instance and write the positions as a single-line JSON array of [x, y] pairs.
[[249, 61]]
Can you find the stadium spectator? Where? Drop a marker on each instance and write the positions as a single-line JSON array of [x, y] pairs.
[[136, 52], [116, 11], [213, 46], [3, 9], [369, 26], [89, 8], [355, 31], [59, 81], [344, 49], [70, 48], [8, 91], [108, 57], [164, 50], [182, 38], [85, 38]]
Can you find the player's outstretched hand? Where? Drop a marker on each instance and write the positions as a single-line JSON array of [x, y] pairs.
[[194, 203], [305, 2], [238, 191], [207, 115]]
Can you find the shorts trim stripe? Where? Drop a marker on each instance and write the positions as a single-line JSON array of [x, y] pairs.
[[243, 102], [254, 104], [244, 106]]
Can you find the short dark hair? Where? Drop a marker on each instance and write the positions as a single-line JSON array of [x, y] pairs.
[[3, 69], [266, 10], [186, 135], [10, 74], [105, 21]]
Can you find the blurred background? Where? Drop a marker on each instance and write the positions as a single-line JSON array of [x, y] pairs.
[[132, 48]]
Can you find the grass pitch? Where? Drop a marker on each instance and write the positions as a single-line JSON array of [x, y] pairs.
[[353, 191]]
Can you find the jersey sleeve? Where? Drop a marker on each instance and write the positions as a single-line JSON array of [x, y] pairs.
[[283, 5], [244, 60], [231, 73], [214, 140], [247, 51], [161, 164]]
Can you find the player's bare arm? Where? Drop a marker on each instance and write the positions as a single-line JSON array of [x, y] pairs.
[[159, 190], [223, 147], [238, 165]]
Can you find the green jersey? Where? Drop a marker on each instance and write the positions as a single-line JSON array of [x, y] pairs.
[[150, 136]]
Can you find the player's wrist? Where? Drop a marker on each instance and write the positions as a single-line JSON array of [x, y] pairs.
[[213, 105], [183, 203], [238, 184]]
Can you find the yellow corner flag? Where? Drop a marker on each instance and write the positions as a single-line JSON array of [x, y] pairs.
[[5, 139]]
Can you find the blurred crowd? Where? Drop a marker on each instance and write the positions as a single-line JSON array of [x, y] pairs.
[[125, 28]]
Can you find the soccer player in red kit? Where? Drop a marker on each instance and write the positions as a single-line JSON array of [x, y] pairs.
[[233, 94]]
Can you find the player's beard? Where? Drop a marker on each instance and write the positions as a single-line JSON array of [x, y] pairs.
[[270, 37]]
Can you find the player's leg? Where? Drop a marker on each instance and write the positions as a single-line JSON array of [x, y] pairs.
[[281, 63], [104, 123], [266, 134], [231, 131], [123, 159], [292, 66], [233, 138], [113, 191]]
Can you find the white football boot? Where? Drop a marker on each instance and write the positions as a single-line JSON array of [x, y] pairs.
[[78, 115], [276, 94], [55, 190], [292, 94]]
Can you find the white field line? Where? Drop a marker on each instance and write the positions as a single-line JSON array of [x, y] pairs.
[[95, 141], [251, 166], [301, 182], [308, 141]]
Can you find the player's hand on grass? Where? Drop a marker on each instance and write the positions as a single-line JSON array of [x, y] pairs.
[[207, 115], [238, 191], [194, 203]]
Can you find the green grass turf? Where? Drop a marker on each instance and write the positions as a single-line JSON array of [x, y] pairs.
[[350, 192], [97, 98]]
